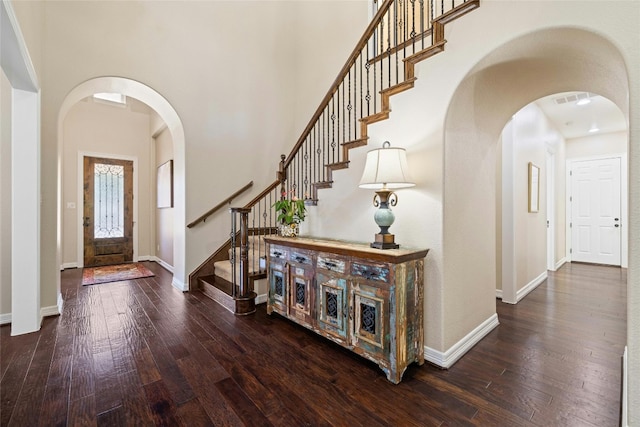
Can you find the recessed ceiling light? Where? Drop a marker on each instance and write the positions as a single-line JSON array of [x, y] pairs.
[[593, 129], [583, 101]]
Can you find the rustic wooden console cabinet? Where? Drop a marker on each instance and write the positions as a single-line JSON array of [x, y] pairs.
[[367, 300]]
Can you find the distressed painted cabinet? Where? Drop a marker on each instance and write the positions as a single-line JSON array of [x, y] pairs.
[[367, 300]]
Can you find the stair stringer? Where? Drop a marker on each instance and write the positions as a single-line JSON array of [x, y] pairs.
[[409, 63]]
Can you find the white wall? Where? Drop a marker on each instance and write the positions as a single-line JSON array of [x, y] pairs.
[[214, 74], [528, 135], [479, 82], [231, 78], [5, 196], [94, 127], [533, 133], [597, 145], [164, 216]]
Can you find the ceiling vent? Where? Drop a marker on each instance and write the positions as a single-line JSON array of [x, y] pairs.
[[574, 97]]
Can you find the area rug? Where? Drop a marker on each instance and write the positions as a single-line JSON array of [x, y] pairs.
[[114, 273]]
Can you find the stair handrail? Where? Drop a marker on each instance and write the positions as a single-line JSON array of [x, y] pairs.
[[340, 78], [203, 217]]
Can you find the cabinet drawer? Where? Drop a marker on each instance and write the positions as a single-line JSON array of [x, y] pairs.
[[379, 272], [300, 257], [277, 252], [331, 263]]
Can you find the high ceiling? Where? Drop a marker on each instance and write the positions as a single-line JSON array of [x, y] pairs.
[[574, 114]]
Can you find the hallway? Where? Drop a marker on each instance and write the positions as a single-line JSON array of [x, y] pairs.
[[143, 353]]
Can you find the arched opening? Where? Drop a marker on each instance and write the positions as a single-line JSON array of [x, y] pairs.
[[552, 134], [169, 116], [517, 73]]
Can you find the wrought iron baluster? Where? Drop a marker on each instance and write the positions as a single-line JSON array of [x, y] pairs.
[[349, 107], [337, 121], [395, 34], [422, 20], [307, 168], [344, 114], [388, 50], [431, 5], [368, 97], [333, 130], [325, 155]]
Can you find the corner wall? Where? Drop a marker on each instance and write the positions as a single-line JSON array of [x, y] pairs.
[[530, 134], [164, 216], [5, 196]]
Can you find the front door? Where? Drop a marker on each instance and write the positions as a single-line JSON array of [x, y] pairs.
[[595, 211], [108, 211]]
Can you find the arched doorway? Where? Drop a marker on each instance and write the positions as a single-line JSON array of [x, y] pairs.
[[549, 134], [512, 76], [153, 99]]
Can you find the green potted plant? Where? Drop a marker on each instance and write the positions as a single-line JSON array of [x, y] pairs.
[[291, 213]]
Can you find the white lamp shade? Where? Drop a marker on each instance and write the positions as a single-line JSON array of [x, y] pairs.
[[386, 168]]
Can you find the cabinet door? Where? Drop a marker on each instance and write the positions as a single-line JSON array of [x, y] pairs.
[[300, 294], [331, 305], [370, 318], [278, 288]]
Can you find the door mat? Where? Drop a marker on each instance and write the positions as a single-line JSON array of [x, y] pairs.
[[114, 273]]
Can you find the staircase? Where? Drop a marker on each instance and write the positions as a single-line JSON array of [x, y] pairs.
[[220, 285], [402, 34]]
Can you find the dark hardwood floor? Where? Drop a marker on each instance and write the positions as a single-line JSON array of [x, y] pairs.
[[142, 353]]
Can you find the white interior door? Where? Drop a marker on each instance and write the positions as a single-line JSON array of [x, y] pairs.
[[595, 211]]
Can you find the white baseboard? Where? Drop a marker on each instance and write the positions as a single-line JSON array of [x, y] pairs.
[[145, 258], [624, 422], [68, 265], [261, 299], [51, 310], [499, 293], [179, 285], [531, 286], [5, 318], [451, 356], [561, 263], [164, 265]]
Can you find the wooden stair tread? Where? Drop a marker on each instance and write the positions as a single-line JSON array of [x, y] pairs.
[[377, 117], [338, 165], [219, 283], [400, 87], [323, 184], [426, 53], [355, 143], [458, 11]]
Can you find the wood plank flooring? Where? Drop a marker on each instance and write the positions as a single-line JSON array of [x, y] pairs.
[[142, 353]]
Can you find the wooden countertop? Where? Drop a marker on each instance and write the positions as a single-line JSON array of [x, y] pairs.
[[341, 247]]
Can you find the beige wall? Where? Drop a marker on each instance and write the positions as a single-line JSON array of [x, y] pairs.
[[533, 134], [452, 147], [96, 128], [597, 145], [229, 78], [164, 216], [5, 195], [231, 85]]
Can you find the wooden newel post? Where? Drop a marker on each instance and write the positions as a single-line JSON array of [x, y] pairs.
[[245, 297]]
